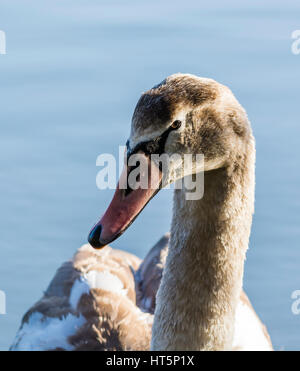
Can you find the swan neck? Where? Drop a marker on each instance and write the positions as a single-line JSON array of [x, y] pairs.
[[202, 280]]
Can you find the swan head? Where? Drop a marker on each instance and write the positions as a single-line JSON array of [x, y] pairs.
[[184, 115]]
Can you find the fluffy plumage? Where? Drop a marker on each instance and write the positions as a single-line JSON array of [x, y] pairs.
[[105, 300]]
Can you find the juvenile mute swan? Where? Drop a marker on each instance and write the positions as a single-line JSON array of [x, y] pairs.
[[105, 299]]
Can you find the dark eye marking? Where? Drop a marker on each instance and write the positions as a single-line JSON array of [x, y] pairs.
[[156, 146]]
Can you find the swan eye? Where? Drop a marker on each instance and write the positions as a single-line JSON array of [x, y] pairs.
[[176, 125]]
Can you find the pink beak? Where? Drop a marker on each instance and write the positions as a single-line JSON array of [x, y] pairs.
[[125, 207]]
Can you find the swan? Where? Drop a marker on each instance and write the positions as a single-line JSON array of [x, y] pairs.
[[187, 293]]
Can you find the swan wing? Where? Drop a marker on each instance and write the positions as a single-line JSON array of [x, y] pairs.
[[89, 305], [149, 275], [250, 333]]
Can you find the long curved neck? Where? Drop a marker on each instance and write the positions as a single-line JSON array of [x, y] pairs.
[[203, 276]]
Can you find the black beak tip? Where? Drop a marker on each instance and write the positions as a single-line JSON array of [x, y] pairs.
[[94, 237]]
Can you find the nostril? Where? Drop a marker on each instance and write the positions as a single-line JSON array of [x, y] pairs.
[[137, 179], [127, 191], [94, 237]]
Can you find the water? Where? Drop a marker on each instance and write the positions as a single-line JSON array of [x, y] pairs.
[[69, 83]]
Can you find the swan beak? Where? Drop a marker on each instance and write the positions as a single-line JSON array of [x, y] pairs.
[[125, 206]]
